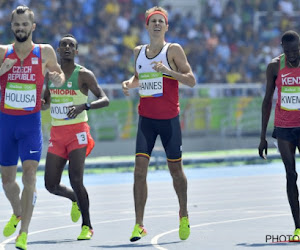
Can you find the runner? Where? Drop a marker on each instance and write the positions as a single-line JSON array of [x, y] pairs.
[[159, 67], [70, 138]]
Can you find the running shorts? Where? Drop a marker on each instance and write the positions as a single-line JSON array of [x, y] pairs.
[[66, 138], [20, 137], [169, 131], [289, 134]]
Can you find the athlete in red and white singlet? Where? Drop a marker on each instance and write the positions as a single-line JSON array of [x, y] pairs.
[[159, 67]]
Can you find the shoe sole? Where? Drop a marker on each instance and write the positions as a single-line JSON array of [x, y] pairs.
[[135, 239]]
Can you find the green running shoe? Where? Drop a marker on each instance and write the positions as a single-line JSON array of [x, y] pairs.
[[21, 241], [296, 236], [75, 212], [184, 228], [86, 233], [138, 232], [11, 226]]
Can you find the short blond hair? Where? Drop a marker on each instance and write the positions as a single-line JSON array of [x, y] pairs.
[[155, 8]]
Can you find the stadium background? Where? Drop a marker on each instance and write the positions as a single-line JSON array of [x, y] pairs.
[[228, 44]]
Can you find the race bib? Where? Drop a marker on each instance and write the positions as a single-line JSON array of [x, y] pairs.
[[151, 84], [20, 96], [59, 107], [290, 98], [82, 138]]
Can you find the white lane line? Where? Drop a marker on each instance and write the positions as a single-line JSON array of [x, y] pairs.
[[154, 240]]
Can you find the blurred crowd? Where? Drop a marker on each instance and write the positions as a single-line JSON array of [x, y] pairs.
[[231, 42]]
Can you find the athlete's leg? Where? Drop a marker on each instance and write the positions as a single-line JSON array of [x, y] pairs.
[[53, 171], [140, 190], [11, 188], [180, 185], [145, 140], [170, 134], [28, 197], [287, 151], [76, 170]]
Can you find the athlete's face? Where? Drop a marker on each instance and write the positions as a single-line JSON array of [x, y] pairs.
[[22, 26], [157, 25], [291, 50], [67, 48]]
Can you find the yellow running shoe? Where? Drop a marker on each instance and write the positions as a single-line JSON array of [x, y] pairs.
[[86, 233], [138, 232], [184, 228], [296, 236], [75, 212], [21, 241], [11, 226]]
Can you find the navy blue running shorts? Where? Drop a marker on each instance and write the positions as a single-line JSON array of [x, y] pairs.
[[169, 131]]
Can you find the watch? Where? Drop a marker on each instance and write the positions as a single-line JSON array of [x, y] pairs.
[[87, 106]]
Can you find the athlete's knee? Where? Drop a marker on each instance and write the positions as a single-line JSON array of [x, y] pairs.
[[29, 179], [8, 184], [76, 182], [140, 173], [52, 188], [176, 169], [292, 176]]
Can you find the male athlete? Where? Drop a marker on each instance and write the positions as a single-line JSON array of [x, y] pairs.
[[23, 66], [283, 72], [159, 66], [70, 138]]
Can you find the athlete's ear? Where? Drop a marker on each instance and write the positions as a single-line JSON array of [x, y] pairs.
[[76, 52], [33, 26], [57, 50]]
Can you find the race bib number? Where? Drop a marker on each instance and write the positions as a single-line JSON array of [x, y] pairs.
[[151, 84], [20, 96], [60, 107], [82, 138], [290, 98]]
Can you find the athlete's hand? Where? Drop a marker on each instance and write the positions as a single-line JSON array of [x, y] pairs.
[[160, 67], [263, 147], [7, 65], [56, 78], [75, 110], [125, 87]]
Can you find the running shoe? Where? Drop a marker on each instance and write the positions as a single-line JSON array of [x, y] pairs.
[[21, 241], [11, 226], [86, 233], [296, 236], [184, 228], [138, 232], [75, 212]]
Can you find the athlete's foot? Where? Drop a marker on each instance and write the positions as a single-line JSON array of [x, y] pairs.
[[296, 236], [21, 241], [86, 233], [184, 228], [11, 225], [138, 232], [75, 212]]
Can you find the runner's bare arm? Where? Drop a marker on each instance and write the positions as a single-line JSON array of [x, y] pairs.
[[51, 65], [6, 64], [46, 96], [271, 74], [184, 72], [133, 82], [88, 79]]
